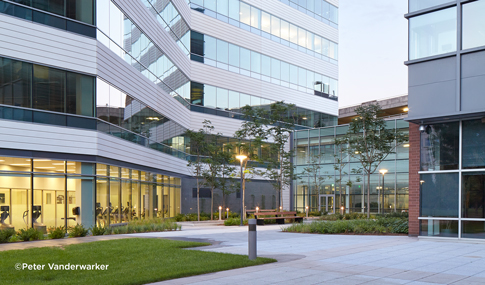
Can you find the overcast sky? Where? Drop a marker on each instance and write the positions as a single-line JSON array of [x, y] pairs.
[[372, 50]]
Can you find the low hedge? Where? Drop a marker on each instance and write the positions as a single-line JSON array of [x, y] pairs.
[[360, 226]]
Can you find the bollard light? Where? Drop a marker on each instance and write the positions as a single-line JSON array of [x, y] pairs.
[[306, 210], [252, 239], [257, 209], [281, 208], [220, 213], [342, 210], [227, 211]]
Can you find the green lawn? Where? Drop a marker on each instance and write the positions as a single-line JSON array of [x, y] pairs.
[[131, 261]]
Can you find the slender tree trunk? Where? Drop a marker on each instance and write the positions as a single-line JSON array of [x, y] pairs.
[[198, 200], [281, 181], [212, 204], [368, 195]]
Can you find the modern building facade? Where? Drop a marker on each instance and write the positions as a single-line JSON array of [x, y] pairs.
[[96, 95], [446, 114], [316, 157]]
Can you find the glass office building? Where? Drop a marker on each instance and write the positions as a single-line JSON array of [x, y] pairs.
[[319, 189], [446, 111], [96, 97]]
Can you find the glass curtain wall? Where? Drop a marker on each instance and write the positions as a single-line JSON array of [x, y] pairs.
[[259, 22], [452, 199], [220, 98], [224, 55], [125, 39], [319, 189], [318, 9], [44, 193]]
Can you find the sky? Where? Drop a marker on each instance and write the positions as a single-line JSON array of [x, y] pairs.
[[372, 50]]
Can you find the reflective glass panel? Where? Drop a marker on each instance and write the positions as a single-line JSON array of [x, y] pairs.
[[432, 34], [438, 228], [439, 195], [473, 24], [440, 147], [473, 144], [415, 5], [473, 195]]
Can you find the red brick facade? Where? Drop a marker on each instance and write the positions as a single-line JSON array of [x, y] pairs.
[[414, 161]]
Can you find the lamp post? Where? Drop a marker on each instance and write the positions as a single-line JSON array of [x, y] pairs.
[[241, 158], [220, 213], [383, 172]]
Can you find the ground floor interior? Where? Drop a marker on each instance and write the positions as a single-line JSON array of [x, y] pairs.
[[39, 192]]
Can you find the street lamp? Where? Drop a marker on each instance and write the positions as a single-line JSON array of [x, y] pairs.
[[383, 172], [241, 158]]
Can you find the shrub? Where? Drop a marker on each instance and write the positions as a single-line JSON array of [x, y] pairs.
[[98, 231], [30, 234], [358, 226], [57, 233], [140, 226], [6, 234], [78, 231], [234, 222]]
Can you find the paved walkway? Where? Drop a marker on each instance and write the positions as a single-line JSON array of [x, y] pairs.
[[339, 259]]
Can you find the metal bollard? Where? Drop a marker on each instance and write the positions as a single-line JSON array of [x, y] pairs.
[[252, 240], [220, 213]]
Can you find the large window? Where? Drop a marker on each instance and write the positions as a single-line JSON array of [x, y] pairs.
[[473, 195], [58, 14], [415, 5], [439, 193], [473, 144], [48, 89], [432, 34], [440, 147], [473, 24]]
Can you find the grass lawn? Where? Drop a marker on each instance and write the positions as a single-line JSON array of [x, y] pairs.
[[131, 261]]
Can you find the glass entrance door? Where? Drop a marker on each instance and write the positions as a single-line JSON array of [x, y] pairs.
[[327, 203]]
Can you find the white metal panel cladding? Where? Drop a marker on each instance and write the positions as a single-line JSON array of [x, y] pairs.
[[115, 148], [183, 9], [47, 46], [244, 84], [293, 16], [120, 74], [150, 26], [240, 37], [30, 136]]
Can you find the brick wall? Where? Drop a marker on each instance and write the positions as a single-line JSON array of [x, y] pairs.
[[414, 160]]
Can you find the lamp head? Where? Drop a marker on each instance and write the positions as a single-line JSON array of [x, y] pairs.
[[383, 171], [241, 157]]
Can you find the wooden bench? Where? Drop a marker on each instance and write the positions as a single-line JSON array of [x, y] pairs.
[[249, 212], [278, 216]]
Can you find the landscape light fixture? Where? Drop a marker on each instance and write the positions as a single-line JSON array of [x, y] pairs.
[[241, 158], [383, 172], [406, 109]]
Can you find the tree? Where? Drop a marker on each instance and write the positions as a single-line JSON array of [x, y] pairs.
[[198, 147], [217, 164], [371, 142], [314, 173], [272, 125], [342, 156]]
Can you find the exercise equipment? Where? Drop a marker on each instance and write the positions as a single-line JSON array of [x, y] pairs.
[[4, 214], [36, 213]]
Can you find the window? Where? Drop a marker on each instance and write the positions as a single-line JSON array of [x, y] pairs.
[[294, 34], [439, 194], [473, 195], [79, 94], [415, 5], [210, 96], [233, 55], [266, 22], [266, 65], [222, 98], [473, 144], [255, 62], [473, 24], [275, 26], [245, 58], [210, 47], [245, 13], [255, 18], [223, 7], [432, 34], [222, 51], [439, 147], [234, 9]]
